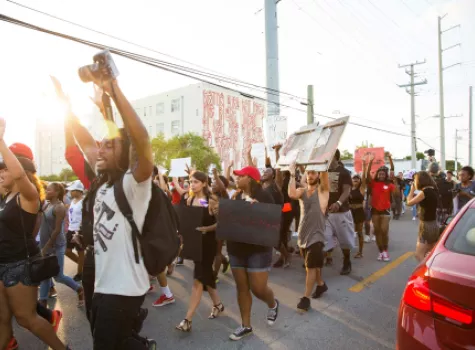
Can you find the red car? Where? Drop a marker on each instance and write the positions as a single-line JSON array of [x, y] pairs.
[[437, 309]]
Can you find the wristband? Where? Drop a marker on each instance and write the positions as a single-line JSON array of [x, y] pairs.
[[339, 203]]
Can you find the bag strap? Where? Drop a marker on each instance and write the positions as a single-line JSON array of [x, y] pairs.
[[23, 226], [126, 210]]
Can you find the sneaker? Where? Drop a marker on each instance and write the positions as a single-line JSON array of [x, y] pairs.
[[163, 300], [373, 238], [12, 345], [346, 269], [367, 239], [380, 257], [226, 265], [304, 304], [53, 293], [78, 277], [240, 333], [286, 264], [56, 319], [179, 261], [273, 313], [386, 256], [319, 291], [414, 218]]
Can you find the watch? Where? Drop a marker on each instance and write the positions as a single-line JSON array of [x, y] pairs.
[[339, 203]]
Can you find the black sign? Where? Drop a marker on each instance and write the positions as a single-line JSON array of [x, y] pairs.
[[252, 223], [191, 218]]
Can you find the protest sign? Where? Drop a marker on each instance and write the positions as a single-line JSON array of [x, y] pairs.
[[276, 130], [178, 167], [313, 145], [378, 161], [258, 152], [190, 218], [252, 223]]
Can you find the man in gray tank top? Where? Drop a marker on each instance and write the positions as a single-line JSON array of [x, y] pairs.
[[311, 239]]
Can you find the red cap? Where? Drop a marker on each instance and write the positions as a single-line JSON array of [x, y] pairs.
[[249, 171], [21, 150]]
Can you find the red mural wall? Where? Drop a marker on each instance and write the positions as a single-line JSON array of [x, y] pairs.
[[237, 125]]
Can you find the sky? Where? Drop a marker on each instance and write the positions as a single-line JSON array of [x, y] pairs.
[[348, 49]]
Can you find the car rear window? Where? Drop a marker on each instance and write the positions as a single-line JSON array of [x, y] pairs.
[[462, 238]]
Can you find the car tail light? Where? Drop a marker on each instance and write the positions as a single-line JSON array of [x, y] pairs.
[[418, 295]]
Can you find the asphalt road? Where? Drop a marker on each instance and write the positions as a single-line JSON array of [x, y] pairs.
[[359, 311]]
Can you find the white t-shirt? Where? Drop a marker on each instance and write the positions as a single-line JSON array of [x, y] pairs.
[[75, 215], [116, 269]]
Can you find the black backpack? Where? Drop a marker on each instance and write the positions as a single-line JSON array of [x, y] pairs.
[[159, 240]]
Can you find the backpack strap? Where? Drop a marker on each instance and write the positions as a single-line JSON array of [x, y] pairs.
[[126, 210]]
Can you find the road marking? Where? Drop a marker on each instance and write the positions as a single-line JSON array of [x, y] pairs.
[[358, 287]]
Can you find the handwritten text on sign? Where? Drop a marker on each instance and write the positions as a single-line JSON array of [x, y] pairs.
[[256, 223]]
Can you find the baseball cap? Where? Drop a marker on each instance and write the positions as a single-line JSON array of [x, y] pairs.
[[250, 171], [21, 150], [76, 186]]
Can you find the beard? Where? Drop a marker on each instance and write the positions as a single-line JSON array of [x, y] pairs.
[[313, 182]]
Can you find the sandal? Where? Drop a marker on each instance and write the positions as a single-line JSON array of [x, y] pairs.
[[184, 326], [359, 255], [80, 297], [216, 310]]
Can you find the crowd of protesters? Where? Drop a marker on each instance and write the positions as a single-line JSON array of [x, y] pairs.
[[85, 223]]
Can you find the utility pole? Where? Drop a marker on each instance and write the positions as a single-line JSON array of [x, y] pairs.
[[310, 115], [411, 92], [441, 86], [272, 58], [470, 126]]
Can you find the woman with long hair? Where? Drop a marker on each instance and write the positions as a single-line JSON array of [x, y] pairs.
[[381, 188], [357, 197], [251, 263], [18, 213], [427, 199], [204, 277], [52, 239]]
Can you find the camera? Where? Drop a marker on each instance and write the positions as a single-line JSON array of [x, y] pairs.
[[430, 152], [103, 68]]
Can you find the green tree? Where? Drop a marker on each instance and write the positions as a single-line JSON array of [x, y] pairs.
[[450, 165], [419, 156], [346, 155], [50, 178], [183, 146], [365, 145]]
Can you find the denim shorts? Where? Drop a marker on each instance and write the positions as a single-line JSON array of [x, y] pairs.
[[255, 262], [13, 273]]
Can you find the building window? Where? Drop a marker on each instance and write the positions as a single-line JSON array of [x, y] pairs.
[[160, 108], [150, 111], [160, 128], [176, 105], [175, 127]]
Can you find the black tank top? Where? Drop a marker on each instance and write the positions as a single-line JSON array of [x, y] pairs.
[[356, 197], [12, 241]]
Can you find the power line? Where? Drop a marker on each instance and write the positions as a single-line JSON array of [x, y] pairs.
[[219, 75], [155, 63]]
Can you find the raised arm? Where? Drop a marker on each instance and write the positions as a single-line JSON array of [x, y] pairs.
[[368, 171], [249, 158], [363, 178], [293, 191], [176, 184], [28, 192], [218, 181], [414, 199], [391, 164], [228, 171], [142, 166]]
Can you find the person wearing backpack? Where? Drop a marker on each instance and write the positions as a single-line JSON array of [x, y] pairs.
[[121, 279]]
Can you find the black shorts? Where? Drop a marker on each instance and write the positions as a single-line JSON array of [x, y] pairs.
[[314, 256], [71, 245]]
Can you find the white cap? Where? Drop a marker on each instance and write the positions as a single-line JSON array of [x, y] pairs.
[[76, 186]]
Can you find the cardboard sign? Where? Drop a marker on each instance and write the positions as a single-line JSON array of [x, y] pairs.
[[178, 167], [191, 218], [258, 152], [313, 145], [252, 223], [378, 161]]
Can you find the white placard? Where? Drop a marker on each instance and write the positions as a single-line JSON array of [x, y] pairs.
[[276, 130], [178, 167], [258, 152]]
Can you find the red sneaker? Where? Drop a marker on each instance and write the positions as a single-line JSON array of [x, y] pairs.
[[163, 300], [13, 344], [57, 316]]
